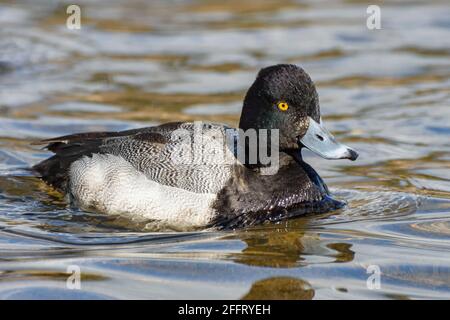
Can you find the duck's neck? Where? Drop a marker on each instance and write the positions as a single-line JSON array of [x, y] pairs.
[[257, 148], [312, 174]]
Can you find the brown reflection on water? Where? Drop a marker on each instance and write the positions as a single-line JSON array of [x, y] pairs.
[[239, 7], [272, 249], [25, 188], [280, 288], [344, 253], [404, 175], [33, 275], [358, 81], [140, 106], [289, 248]]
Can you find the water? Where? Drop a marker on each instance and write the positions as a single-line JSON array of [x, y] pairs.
[[385, 92]]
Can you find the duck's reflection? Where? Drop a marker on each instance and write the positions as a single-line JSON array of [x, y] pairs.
[[343, 252], [289, 247], [272, 248], [280, 288]]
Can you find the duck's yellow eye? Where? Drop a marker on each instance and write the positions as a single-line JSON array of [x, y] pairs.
[[283, 106]]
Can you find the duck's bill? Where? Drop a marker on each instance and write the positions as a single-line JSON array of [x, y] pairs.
[[321, 142]]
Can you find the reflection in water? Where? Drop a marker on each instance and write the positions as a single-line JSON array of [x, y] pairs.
[[280, 288], [386, 92], [344, 254], [425, 175], [30, 275], [285, 248], [272, 249]]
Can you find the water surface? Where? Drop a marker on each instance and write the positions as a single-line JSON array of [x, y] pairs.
[[385, 92]]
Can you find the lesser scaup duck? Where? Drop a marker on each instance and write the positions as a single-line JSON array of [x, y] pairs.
[[156, 173]]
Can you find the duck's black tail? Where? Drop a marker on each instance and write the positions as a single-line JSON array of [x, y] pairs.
[[67, 149]]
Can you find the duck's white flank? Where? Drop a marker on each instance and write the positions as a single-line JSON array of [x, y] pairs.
[[110, 184]]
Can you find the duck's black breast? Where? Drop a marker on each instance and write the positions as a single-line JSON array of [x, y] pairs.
[[250, 198]]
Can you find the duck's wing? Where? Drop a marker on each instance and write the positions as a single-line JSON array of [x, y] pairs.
[[70, 148], [196, 157], [153, 151]]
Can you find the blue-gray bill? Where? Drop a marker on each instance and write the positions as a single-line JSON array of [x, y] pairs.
[[320, 141]]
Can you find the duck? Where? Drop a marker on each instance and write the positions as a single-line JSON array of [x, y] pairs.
[[191, 175]]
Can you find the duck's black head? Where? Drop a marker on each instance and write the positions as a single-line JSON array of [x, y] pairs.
[[284, 97]]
